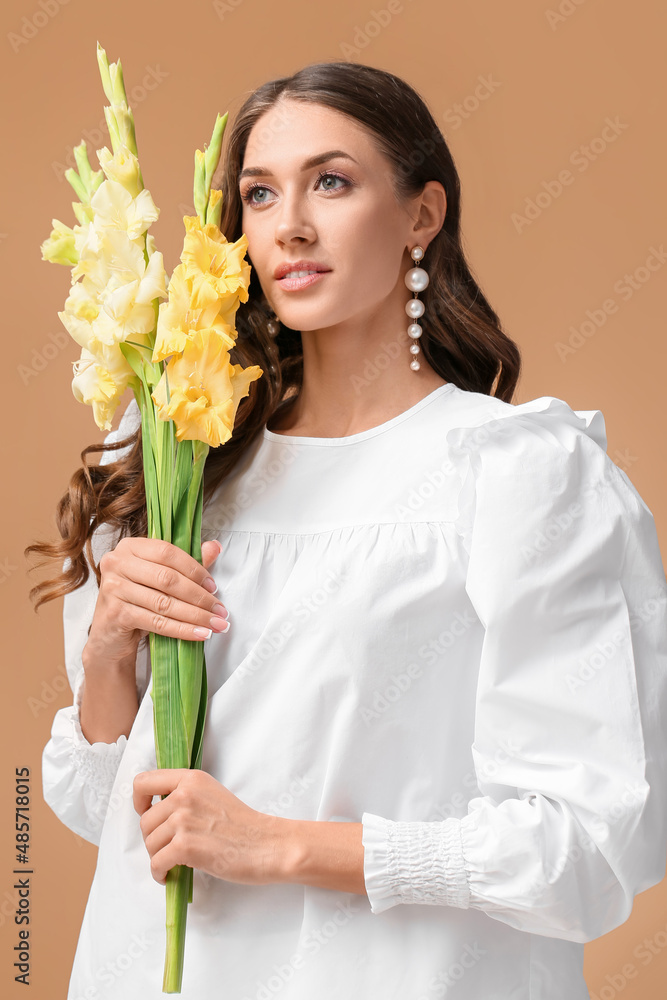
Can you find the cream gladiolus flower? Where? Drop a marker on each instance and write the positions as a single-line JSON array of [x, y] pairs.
[[113, 301], [121, 166], [100, 381], [115, 207], [204, 390], [83, 300]]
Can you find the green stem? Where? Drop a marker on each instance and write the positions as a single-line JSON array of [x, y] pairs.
[[179, 879]]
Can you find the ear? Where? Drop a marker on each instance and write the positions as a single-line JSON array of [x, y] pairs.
[[430, 209]]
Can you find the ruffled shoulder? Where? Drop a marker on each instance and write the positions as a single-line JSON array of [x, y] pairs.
[[541, 437]]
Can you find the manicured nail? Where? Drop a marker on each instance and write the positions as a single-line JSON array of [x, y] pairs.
[[211, 585], [220, 609], [220, 624], [202, 633]]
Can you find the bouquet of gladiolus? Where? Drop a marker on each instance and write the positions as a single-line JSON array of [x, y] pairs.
[[174, 355]]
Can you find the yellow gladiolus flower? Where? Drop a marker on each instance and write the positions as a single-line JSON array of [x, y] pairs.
[[210, 259], [185, 312], [205, 390]]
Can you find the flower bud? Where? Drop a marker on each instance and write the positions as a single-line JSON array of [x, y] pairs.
[[123, 167], [60, 248]]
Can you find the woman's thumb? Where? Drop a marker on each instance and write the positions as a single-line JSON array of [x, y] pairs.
[[210, 550]]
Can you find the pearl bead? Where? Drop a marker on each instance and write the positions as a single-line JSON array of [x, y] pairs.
[[417, 253], [414, 348], [415, 308], [414, 364], [416, 279], [273, 328], [414, 330]]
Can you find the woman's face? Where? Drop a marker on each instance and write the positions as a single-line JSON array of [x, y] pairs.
[[347, 221]]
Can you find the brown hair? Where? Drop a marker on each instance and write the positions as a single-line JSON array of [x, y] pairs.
[[462, 340]]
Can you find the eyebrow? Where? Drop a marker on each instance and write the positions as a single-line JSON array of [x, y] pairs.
[[312, 161]]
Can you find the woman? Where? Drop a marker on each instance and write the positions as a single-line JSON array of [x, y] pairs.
[[433, 759]]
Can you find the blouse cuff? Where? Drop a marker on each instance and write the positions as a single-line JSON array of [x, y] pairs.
[[414, 862], [78, 776], [96, 763]]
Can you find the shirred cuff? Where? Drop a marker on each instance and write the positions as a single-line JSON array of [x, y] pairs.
[[97, 763], [414, 862], [78, 776]]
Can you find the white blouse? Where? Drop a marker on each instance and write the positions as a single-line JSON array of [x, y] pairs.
[[450, 628]]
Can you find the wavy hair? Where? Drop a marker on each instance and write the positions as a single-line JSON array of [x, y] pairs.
[[462, 340]]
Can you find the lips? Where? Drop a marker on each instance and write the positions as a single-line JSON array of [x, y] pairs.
[[298, 265]]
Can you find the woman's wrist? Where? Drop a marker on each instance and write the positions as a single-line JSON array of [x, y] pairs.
[[328, 855], [109, 701], [94, 657]]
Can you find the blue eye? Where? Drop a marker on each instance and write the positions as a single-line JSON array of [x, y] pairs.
[[247, 197]]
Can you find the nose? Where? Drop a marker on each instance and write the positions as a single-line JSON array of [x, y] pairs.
[[293, 224]]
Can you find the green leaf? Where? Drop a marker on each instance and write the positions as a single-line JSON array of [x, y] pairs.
[[198, 741], [134, 359]]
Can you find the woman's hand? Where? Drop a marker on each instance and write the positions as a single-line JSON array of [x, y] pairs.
[[203, 825], [149, 585]]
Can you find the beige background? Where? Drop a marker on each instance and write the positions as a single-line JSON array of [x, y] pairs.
[[556, 79]]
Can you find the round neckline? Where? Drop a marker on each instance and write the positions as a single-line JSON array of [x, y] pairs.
[[362, 435]]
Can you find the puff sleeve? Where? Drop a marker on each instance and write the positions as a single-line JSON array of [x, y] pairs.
[[77, 777], [566, 578]]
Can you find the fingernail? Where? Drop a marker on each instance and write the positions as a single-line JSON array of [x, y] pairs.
[[211, 585], [202, 633], [220, 609], [220, 624]]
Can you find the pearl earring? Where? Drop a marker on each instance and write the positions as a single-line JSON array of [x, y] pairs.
[[416, 280], [274, 326]]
